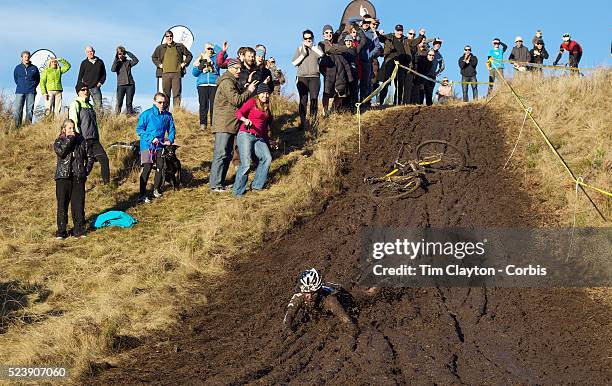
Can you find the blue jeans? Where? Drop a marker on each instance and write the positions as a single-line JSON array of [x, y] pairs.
[[96, 96], [20, 100], [222, 156], [247, 144]]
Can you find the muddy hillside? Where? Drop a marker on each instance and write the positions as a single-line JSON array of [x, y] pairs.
[[406, 336]]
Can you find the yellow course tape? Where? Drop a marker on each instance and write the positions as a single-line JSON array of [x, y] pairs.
[[566, 68], [577, 181]]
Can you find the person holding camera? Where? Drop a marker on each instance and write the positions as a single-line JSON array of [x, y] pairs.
[[468, 63], [74, 163], [206, 70], [126, 88]]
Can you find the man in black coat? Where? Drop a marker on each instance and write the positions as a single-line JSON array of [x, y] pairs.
[[395, 49], [93, 75], [467, 64]]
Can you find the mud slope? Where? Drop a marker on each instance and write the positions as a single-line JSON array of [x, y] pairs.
[[415, 336]]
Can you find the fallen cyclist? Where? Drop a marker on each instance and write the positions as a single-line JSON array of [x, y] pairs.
[[316, 298]]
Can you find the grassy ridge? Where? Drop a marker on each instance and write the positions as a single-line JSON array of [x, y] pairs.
[[575, 114], [73, 300]]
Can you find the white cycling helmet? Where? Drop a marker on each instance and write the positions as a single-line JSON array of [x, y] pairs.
[[310, 281]]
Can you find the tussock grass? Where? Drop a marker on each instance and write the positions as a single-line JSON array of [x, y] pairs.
[[575, 114], [133, 282]]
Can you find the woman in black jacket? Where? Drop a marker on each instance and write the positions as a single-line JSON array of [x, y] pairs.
[[74, 162]]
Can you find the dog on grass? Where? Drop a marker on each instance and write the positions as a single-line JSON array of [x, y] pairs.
[[171, 166]]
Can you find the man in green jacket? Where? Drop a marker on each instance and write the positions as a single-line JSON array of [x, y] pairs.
[[225, 126], [51, 84], [171, 59]]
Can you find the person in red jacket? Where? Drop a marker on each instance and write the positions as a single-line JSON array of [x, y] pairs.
[[573, 48], [255, 118]]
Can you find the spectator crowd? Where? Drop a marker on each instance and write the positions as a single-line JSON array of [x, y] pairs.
[[234, 96]]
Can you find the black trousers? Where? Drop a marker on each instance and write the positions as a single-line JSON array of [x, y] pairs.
[[146, 171], [206, 96], [308, 88], [69, 191], [100, 155], [426, 89], [411, 89], [127, 91], [399, 84]]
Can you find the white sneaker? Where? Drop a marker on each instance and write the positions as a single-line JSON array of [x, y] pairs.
[[144, 199], [157, 193]]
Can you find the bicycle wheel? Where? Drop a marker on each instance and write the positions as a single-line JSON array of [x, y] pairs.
[[397, 188], [440, 156]]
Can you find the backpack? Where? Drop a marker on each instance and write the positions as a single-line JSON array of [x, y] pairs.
[[113, 218]]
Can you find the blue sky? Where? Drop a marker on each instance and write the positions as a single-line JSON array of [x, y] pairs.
[[66, 27]]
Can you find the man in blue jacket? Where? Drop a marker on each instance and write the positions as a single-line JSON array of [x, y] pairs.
[[153, 125], [27, 78]]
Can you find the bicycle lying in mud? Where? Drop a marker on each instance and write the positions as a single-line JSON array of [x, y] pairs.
[[434, 156]]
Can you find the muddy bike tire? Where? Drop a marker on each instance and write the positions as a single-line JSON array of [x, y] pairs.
[[392, 190], [444, 156]]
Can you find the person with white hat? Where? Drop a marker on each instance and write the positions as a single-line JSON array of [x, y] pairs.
[[573, 48], [519, 55]]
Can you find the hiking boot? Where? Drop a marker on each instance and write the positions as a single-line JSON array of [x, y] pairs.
[[157, 193]]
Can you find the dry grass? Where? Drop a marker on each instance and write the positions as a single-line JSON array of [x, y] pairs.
[[575, 114], [75, 298]]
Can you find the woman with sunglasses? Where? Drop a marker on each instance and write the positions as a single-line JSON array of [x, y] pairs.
[[206, 70], [306, 59]]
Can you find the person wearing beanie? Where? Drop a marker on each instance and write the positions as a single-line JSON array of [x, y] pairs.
[[262, 73], [83, 115], [519, 55], [255, 118], [228, 99], [538, 55], [573, 48], [536, 37], [329, 66]]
